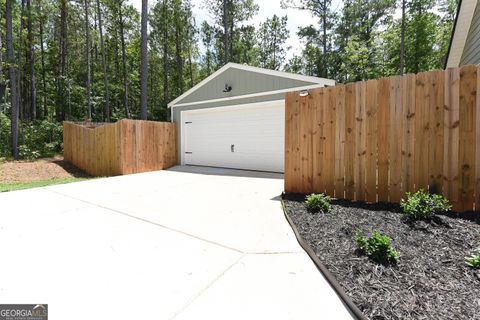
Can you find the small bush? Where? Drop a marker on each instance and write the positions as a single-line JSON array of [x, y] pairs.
[[377, 247], [318, 203], [4, 136], [26, 153], [473, 261], [423, 205], [36, 139]]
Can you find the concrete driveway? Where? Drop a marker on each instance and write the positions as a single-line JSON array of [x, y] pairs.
[[187, 243]]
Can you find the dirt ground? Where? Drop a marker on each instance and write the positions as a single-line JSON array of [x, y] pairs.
[[38, 170]]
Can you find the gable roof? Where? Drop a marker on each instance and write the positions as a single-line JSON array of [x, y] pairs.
[[231, 65], [461, 27]]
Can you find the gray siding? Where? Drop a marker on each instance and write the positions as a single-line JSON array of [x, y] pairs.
[[242, 82], [177, 110], [471, 52]]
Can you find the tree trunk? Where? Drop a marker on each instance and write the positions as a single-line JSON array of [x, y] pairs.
[[324, 27], [124, 62], [61, 97], [178, 57], [44, 82], [19, 62], [117, 56], [144, 62], [190, 66], [208, 62], [2, 80], [95, 43], [274, 51], [402, 40], [104, 63], [166, 95], [417, 45], [87, 40], [226, 40], [13, 80], [33, 89]]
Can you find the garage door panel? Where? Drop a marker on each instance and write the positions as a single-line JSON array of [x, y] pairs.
[[256, 132]]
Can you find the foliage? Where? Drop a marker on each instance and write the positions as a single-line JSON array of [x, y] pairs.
[[173, 43], [473, 261], [319, 50], [377, 247], [272, 35], [42, 138], [25, 152], [4, 135], [237, 14], [318, 203], [423, 205]]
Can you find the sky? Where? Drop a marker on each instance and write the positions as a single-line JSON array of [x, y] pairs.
[[268, 8]]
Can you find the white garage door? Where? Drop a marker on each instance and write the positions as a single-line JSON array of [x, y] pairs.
[[243, 137]]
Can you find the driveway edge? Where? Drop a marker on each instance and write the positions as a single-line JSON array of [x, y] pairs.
[[351, 307]]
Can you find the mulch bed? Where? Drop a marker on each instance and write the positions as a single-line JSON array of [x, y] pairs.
[[38, 170], [431, 280]]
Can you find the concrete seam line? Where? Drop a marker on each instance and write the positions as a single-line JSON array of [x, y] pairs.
[[275, 253], [148, 221], [195, 297], [354, 311]]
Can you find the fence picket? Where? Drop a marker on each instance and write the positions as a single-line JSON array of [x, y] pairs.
[[468, 92], [340, 142], [408, 116], [360, 141], [371, 155], [350, 124], [330, 140], [395, 136], [383, 123]]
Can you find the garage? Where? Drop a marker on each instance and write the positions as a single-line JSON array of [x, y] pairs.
[[236, 118], [244, 137]]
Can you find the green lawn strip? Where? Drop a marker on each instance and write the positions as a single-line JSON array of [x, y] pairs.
[[5, 187]]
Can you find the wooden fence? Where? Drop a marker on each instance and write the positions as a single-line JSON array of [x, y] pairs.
[[375, 140], [128, 146]]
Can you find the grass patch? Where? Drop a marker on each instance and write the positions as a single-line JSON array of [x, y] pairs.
[[5, 187]]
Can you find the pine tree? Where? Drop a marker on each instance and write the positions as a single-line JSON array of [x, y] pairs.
[[272, 35], [13, 80], [228, 17], [144, 62]]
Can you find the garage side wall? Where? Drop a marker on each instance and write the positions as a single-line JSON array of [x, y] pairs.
[[471, 52]]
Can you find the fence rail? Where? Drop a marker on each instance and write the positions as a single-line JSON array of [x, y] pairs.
[[375, 140], [128, 146]]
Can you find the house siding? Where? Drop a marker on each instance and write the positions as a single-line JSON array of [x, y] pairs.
[[242, 82], [471, 52]]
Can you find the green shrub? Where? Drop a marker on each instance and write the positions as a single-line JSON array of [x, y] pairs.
[[423, 205], [377, 247], [36, 139], [25, 153], [473, 261], [44, 137], [4, 135], [318, 202]]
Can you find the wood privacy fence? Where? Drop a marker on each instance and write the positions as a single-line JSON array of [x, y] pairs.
[[375, 140], [128, 146]]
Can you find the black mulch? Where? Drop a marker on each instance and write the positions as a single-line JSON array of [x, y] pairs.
[[431, 280]]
